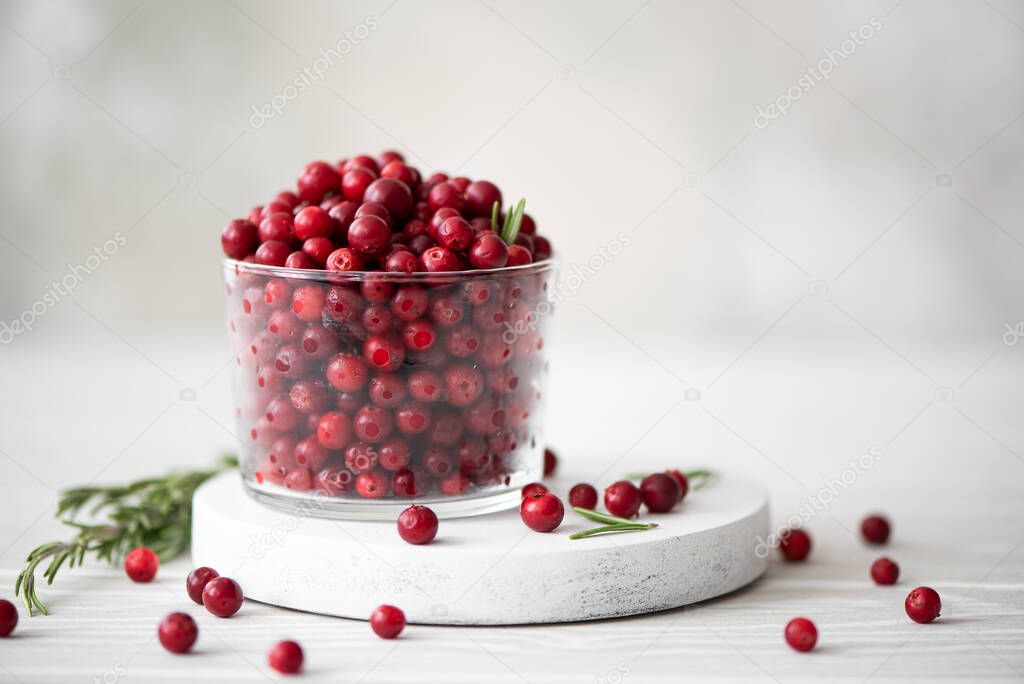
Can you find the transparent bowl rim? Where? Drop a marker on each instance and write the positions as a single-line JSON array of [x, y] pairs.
[[237, 267]]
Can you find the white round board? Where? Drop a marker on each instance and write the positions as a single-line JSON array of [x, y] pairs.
[[486, 570]]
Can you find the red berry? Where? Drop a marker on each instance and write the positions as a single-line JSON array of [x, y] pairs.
[[480, 198], [178, 632], [438, 260], [313, 222], [801, 634], [363, 160], [372, 484], [401, 261], [455, 234], [550, 462], [8, 617], [387, 390], [347, 373], [923, 605], [286, 657], [334, 430], [488, 251], [795, 545], [394, 454], [372, 424], [273, 253], [393, 194], [387, 622], [541, 248], [464, 384], [317, 180], [622, 498], [196, 582], [410, 302], [875, 529], [417, 525], [369, 235], [660, 492], [518, 256], [279, 226], [437, 461], [885, 571], [355, 182], [398, 170], [583, 496], [239, 239], [311, 455], [419, 335], [533, 489], [333, 481], [684, 484], [445, 195], [300, 260], [141, 564], [360, 457], [222, 596], [384, 353], [318, 249], [406, 482], [343, 259], [308, 302], [542, 512]]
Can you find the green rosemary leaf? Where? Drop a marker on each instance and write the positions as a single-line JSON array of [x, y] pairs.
[[613, 529], [595, 516]]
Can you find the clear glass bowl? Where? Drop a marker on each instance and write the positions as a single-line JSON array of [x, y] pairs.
[[357, 394]]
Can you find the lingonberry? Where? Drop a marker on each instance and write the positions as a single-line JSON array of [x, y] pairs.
[[347, 373], [343, 259], [533, 489], [923, 605], [393, 194], [373, 424], [684, 484], [313, 222], [279, 226], [222, 596], [384, 353], [273, 253], [387, 390], [622, 498], [8, 617], [178, 632], [369, 235], [387, 622], [480, 198], [583, 495], [795, 545], [419, 335], [372, 484], [417, 525], [518, 256], [445, 194], [438, 260], [801, 634], [550, 460], [141, 564], [286, 657], [488, 251], [885, 571], [239, 239], [660, 492], [334, 430], [464, 384], [875, 529], [318, 249], [542, 512]]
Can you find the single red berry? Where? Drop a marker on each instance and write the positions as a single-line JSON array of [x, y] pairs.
[[273, 253], [313, 222], [455, 234], [369, 235], [438, 260], [178, 632], [541, 248], [409, 302], [795, 545], [8, 617], [464, 384], [875, 529], [387, 622], [801, 634], [399, 170], [343, 259], [385, 352], [372, 484], [318, 249], [583, 496], [222, 596], [419, 335], [372, 424], [417, 525], [488, 251], [141, 564], [334, 430], [286, 657], [923, 605], [445, 194], [660, 492], [196, 582], [347, 373], [393, 194], [885, 571], [684, 484], [300, 260], [401, 261], [550, 462], [542, 512], [533, 489], [480, 198], [355, 181], [622, 498], [518, 256], [278, 226], [239, 239]]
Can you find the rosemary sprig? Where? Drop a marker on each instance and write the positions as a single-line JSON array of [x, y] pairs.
[[513, 221], [154, 512], [605, 518], [698, 478], [612, 524]]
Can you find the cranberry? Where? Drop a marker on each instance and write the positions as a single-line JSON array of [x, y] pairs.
[[394, 454], [550, 460], [347, 373], [541, 248], [518, 256], [528, 226], [393, 194], [334, 430], [313, 222], [273, 253], [360, 457], [373, 424], [419, 335], [286, 657], [222, 596], [526, 241], [282, 452], [355, 182], [317, 180], [923, 605], [446, 310], [333, 481], [277, 226], [318, 342], [488, 251], [344, 304], [291, 361], [387, 622], [318, 249], [350, 402], [309, 453], [463, 341], [277, 293], [583, 496], [622, 498], [480, 198], [460, 183], [684, 484], [376, 291], [384, 352], [377, 319], [417, 525], [141, 564], [445, 194], [375, 209], [454, 484], [542, 512], [413, 418], [885, 571], [420, 244], [372, 484], [178, 632], [660, 492], [455, 234], [369, 235], [239, 239], [343, 214], [425, 385], [398, 170], [307, 302], [300, 260], [388, 156], [438, 461], [408, 483], [196, 581], [387, 390], [8, 617], [801, 634], [410, 302], [875, 529], [283, 325], [438, 260], [464, 384], [401, 261], [446, 428], [363, 160], [533, 489], [344, 259], [795, 545]]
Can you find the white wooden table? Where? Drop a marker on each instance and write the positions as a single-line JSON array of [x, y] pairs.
[[953, 489]]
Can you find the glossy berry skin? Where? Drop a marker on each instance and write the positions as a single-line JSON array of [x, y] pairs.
[[801, 634], [518, 256], [533, 489], [795, 545], [438, 260], [445, 195], [313, 222], [417, 525], [196, 582], [455, 234], [885, 571], [684, 484], [401, 261], [542, 512], [141, 564], [550, 462], [660, 492], [622, 498], [239, 239], [369, 235], [923, 605], [286, 657], [222, 596], [480, 198], [372, 484], [583, 495], [273, 253], [488, 251], [178, 632], [343, 259], [387, 622], [875, 529], [393, 194], [318, 249], [8, 617]]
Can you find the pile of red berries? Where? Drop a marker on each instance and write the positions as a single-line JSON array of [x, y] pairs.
[[381, 375]]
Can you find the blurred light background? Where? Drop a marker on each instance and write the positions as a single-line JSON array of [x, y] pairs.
[[796, 291]]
